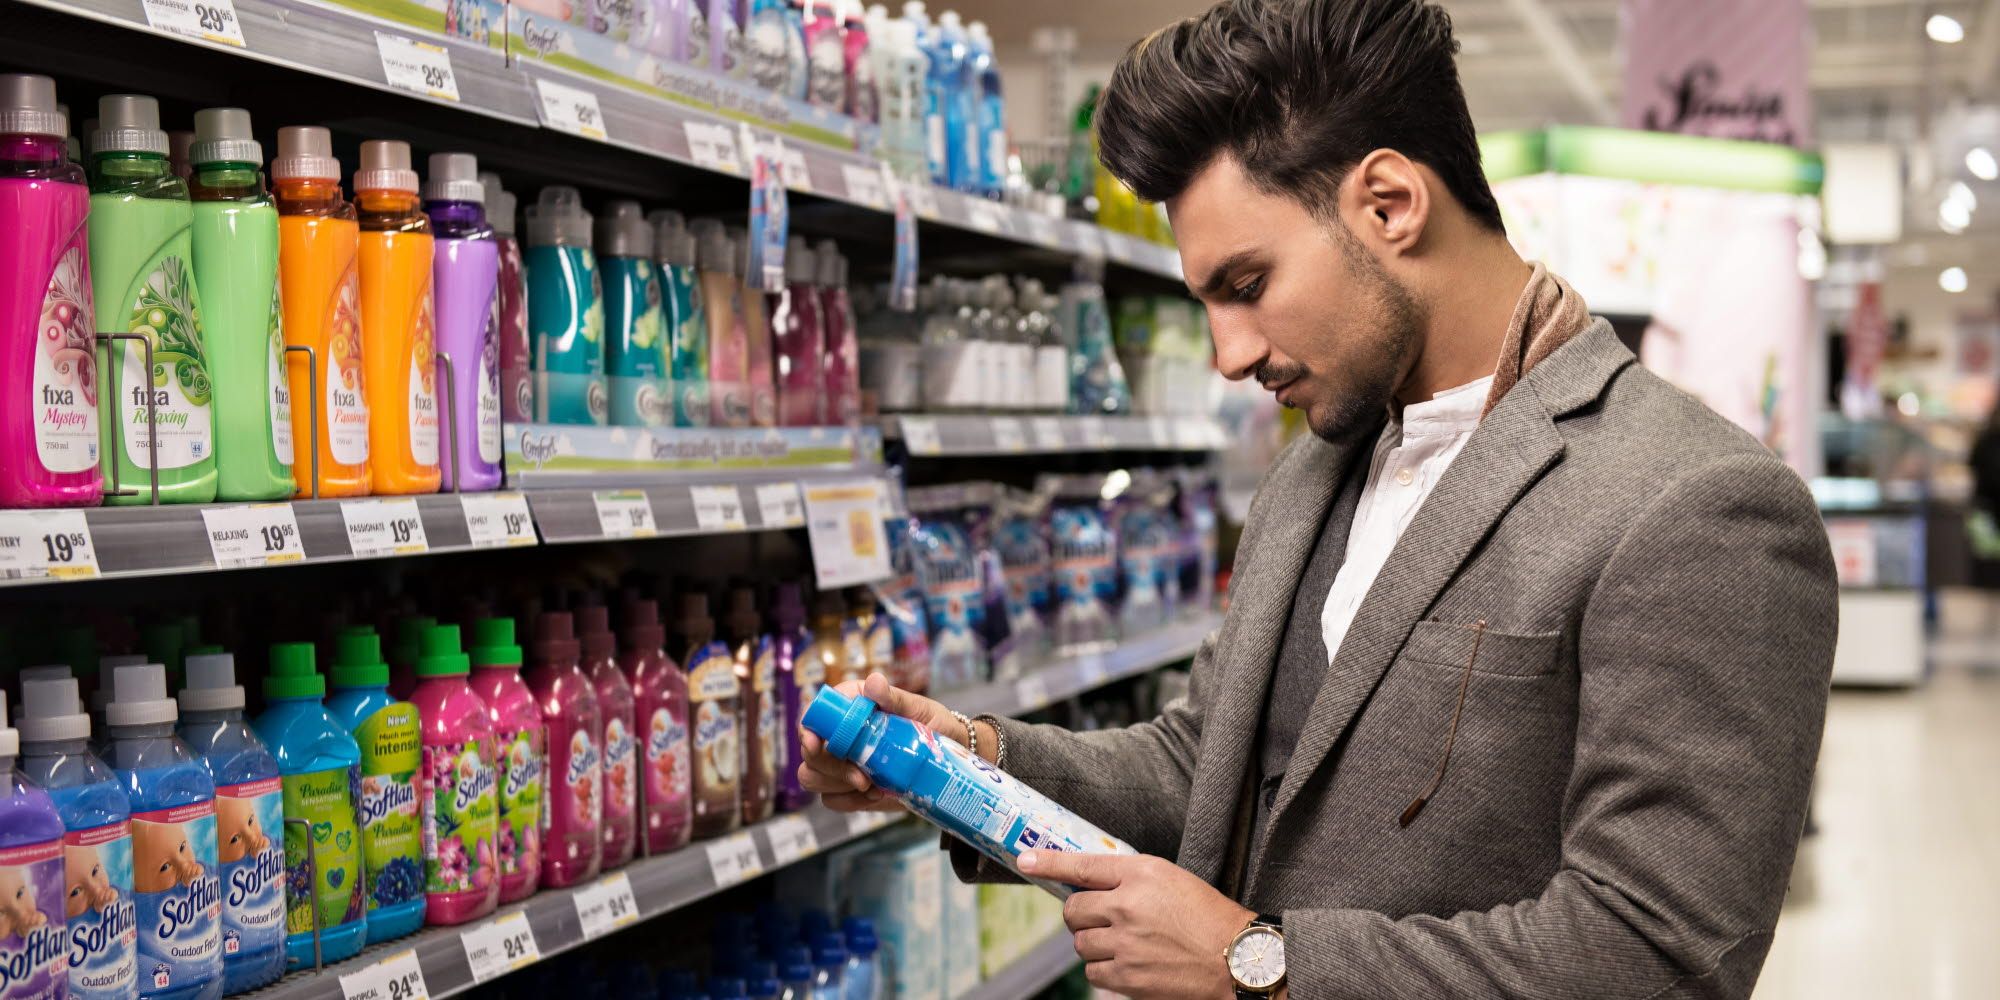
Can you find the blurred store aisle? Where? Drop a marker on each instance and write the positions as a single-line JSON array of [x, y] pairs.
[[1899, 894]]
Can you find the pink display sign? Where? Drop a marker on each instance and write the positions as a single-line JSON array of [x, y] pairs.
[[1729, 69]]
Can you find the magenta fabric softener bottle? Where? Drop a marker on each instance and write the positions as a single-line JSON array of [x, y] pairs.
[[465, 275]]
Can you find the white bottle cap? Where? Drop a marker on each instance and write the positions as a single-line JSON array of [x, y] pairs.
[[10, 741], [50, 710], [139, 697], [211, 684]]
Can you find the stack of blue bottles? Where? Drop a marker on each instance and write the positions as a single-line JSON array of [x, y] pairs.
[[177, 894], [829, 967], [760, 981], [862, 978], [103, 940], [795, 967], [250, 821]]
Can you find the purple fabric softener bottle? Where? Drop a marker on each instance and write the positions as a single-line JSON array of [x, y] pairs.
[[466, 274]]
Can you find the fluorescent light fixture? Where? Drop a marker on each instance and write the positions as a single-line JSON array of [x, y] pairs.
[[1944, 28], [1952, 279], [1954, 216], [1980, 161]]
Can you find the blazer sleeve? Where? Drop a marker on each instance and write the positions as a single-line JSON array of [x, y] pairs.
[[1705, 654]]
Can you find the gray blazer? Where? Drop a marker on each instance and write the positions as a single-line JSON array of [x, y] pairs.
[[1628, 783]]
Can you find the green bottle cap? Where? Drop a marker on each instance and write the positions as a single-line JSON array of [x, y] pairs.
[[357, 659], [493, 643], [292, 674], [440, 653]]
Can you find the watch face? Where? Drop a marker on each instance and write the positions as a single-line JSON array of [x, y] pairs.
[[1257, 959]]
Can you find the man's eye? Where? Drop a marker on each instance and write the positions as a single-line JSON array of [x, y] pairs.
[[1248, 292]]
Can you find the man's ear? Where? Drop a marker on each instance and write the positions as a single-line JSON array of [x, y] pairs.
[[1386, 202]]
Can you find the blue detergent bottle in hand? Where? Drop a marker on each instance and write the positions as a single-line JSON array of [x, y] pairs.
[[320, 767], [31, 878], [176, 889], [249, 821], [995, 812], [102, 938]]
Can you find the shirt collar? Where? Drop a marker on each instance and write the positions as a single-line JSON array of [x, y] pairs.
[[1453, 411]]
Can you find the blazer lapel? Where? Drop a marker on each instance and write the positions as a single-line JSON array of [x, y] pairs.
[[1291, 505], [1509, 451]]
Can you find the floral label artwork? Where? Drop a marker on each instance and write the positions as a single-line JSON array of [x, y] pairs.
[[461, 811], [621, 793], [324, 799], [666, 757], [65, 391], [346, 408], [520, 837], [164, 311], [423, 383], [281, 387], [391, 828], [488, 409]]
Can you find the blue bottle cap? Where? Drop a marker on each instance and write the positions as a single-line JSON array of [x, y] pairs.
[[725, 988], [838, 719], [828, 951], [761, 979], [796, 964], [860, 933]]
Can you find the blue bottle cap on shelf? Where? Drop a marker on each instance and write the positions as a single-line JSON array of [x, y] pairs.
[[725, 988], [828, 951], [795, 963], [761, 979], [860, 934], [838, 719]]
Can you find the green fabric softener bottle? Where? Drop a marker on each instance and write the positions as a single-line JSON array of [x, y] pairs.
[[236, 268], [142, 278]]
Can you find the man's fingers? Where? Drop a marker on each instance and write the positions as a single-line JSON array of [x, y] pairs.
[[825, 779], [1094, 944], [1087, 871], [1084, 911]]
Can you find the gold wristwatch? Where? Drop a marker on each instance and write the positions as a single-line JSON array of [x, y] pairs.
[[1256, 957]]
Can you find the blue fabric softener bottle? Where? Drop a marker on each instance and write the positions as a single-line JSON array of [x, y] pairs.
[[176, 887], [249, 821], [101, 939]]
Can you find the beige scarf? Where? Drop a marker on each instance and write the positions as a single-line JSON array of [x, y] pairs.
[[1548, 314]]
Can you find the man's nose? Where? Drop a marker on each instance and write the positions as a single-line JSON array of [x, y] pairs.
[[1238, 349]]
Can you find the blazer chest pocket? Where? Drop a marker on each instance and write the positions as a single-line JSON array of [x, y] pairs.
[[1501, 654]]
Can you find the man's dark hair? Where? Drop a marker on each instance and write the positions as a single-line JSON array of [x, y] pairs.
[[1297, 91]]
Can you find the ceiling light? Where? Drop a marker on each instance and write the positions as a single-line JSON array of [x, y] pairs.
[[1982, 164], [1954, 216], [1952, 279], [1944, 28]]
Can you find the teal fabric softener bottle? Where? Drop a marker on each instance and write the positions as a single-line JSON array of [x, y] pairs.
[[635, 354], [565, 311]]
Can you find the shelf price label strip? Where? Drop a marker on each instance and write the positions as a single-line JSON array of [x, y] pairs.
[[398, 977], [264, 534], [734, 859], [625, 513], [499, 946], [417, 67], [46, 545], [389, 527], [605, 905], [498, 520], [209, 20]]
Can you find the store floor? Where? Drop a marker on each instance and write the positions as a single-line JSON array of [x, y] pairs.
[[1898, 894]]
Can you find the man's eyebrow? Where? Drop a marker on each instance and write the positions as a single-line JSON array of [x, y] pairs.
[[1218, 276]]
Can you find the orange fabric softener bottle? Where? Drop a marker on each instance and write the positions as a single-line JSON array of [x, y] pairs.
[[398, 351], [320, 288]]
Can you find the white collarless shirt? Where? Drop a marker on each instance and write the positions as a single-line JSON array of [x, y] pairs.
[[1410, 457]]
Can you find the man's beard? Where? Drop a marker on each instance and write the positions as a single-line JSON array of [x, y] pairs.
[[1373, 379]]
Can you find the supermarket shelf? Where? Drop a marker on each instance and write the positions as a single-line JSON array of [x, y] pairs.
[[656, 885], [697, 126], [1031, 973], [659, 885], [946, 435], [1069, 676]]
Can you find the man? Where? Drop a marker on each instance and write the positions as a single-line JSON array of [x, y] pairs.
[[1523, 677]]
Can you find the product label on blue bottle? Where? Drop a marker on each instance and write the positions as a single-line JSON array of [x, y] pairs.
[[250, 846], [1083, 558], [31, 922], [102, 932], [1024, 560], [179, 896], [954, 596]]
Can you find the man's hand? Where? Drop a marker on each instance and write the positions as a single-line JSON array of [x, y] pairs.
[[1144, 927], [841, 785]]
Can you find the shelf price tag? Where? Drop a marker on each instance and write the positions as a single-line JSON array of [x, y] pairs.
[[713, 145], [605, 905], [1095, 433], [1161, 431], [1042, 229], [864, 185], [844, 527], [984, 216], [418, 67], [1032, 692], [734, 859], [211, 20], [718, 508], [498, 520], [791, 838], [625, 513], [46, 545], [397, 977], [920, 436], [384, 527], [779, 506], [923, 199], [500, 946], [1008, 435], [1049, 434], [792, 167], [262, 534], [570, 109]]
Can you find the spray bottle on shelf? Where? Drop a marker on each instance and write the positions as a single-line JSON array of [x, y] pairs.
[[249, 814], [31, 835], [465, 277], [460, 808], [565, 311], [398, 322], [49, 437], [517, 732], [96, 855], [573, 802], [321, 764], [142, 281], [614, 708], [510, 308], [715, 705], [660, 709], [235, 242], [686, 321], [636, 361], [318, 239], [387, 735]]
